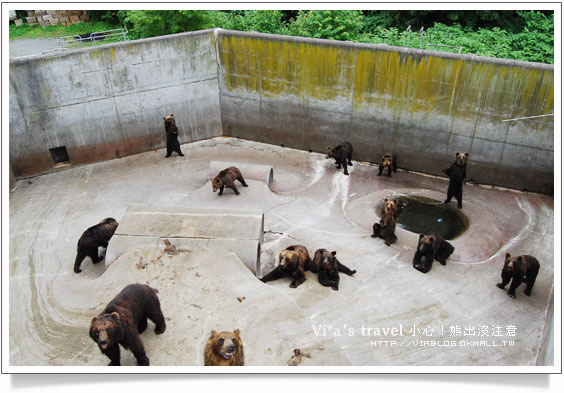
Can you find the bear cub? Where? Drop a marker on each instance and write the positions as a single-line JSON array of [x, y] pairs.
[[96, 236], [429, 248], [124, 319], [226, 178], [386, 228], [171, 131], [342, 155], [388, 162], [456, 174], [327, 267], [293, 261], [224, 349], [523, 268]]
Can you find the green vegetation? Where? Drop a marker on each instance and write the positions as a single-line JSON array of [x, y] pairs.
[[519, 35]]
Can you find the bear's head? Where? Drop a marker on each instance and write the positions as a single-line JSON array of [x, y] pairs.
[[390, 206], [106, 330], [288, 258], [386, 160], [426, 242], [169, 121], [110, 224], [226, 345], [326, 260], [461, 159], [333, 152], [216, 183], [512, 263]]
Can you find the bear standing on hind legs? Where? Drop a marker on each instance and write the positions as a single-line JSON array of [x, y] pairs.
[[523, 268], [342, 155], [124, 319], [96, 236], [172, 143], [456, 175]]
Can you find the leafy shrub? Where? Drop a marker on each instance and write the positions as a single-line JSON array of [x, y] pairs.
[[153, 23], [344, 25]]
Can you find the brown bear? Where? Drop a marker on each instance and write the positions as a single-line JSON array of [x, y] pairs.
[[342, 155], [523, 268], [456, 175], [327, 267], [389, 162], [293, 261], [123, 319], [224, 349], [171, 131], [431, 247], [96, 236], [386, 228], [226, 178]]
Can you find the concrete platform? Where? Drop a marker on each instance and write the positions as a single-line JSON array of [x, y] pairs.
[[309, 203]]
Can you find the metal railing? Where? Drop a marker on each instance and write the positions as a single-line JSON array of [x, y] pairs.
[[89, 39]]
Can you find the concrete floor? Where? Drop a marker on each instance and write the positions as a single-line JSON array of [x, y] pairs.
[[309, 203]]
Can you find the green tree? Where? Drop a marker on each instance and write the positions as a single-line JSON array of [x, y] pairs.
[[344, 25], [263, 21], [153, 23]]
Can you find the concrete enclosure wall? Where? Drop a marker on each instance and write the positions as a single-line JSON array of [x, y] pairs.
[[110, 101], [303, 93]]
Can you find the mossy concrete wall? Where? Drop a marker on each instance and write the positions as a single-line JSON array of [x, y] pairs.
[[423, 105], [109, 102]]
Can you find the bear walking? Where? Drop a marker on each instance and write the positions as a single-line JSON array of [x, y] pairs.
[[388, 162], [171, 131], [327, 267], [123, 319], [523, 268], [342, 155], [224, 349], [456, 174], [429, 248], [293, 261], [226, 178], [96, 236]]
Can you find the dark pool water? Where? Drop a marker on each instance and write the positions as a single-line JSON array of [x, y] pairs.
[[425, 215]]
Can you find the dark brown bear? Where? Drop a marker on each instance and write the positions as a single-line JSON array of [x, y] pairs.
[[429, 248], [123, 319], [224, 349], [389, 162], [226, 178], [342, 155], [456, 175], [327, 267], [171, 131], [386, 228], [293, 261], [523, 268], [96, 236]]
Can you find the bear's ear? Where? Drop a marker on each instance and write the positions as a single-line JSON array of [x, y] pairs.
[[115, 316], [421, 236], [236, 332], [333, 253], [457, 154], [213, 334], [164, 118], [466, 155], [386, 200], [93, 320], [508, 255]]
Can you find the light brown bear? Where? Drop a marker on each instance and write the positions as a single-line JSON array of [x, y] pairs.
[[224, 349], [226, 178]]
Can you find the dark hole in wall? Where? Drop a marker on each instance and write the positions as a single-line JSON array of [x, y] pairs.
[[59, 155], [426, 215]]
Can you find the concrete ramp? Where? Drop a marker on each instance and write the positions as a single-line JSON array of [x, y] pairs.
[[237, 230], [263, 173]]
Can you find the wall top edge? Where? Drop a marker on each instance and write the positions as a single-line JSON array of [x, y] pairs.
[[25, 59], [385, 47]]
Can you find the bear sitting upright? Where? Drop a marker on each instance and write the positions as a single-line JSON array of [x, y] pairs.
[[342, 155], [327, 267], [386, 228], [456, 175], [293, 261], [123, 319], [224, 349], [389, 162], [523, 268], [429, 248], [96, 236], [171, 131], [226, 178]]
